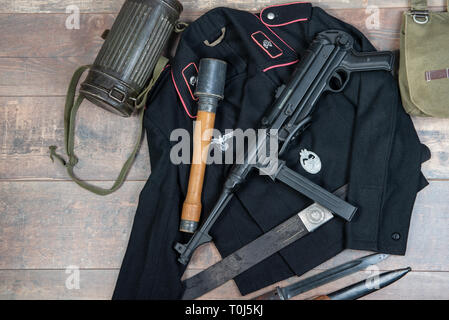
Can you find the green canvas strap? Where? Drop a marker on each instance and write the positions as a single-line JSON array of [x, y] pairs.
[[70, 110], [420, 5]]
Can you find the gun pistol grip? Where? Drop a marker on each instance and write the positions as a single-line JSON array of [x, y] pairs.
[[369, 61]]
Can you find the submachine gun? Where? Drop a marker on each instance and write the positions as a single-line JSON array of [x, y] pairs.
[[326, 66]]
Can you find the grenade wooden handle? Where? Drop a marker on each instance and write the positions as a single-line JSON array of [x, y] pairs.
[[191, 210], [210, 87]]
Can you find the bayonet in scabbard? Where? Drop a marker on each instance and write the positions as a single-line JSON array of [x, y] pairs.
[[290, 291], [365, 287]]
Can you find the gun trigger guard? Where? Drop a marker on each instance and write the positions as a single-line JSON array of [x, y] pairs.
[[338, 81], [338, 77]]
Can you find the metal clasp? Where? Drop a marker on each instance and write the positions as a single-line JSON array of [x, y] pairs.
[[420, 16], [120, 98]]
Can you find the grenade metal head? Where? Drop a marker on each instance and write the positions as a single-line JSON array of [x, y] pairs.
[[211, 78]]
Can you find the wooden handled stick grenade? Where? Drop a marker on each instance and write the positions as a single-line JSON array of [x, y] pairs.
[[209, 90]]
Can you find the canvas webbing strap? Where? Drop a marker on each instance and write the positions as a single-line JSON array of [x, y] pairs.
[[420, 5], [70, 110]]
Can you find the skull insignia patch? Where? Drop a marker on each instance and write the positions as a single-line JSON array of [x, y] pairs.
[[267, 44], [310, 161]]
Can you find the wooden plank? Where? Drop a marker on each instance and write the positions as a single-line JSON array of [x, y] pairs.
[[38, 76], [42, 35], [55, 224], [381, 26], [51, 225], [42, 61], [434, 133], [415, 285], [28, 126], [52, 284], [427, 244], [58, 6], [53, 6], [26, 132], [46, 36], [99, 284]]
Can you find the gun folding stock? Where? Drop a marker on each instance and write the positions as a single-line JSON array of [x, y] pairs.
[[314, 192]]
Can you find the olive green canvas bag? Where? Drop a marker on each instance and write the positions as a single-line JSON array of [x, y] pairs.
[[424, 63]]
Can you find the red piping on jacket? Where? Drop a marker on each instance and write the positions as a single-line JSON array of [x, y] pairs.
[[187, 83], [180, 97], [282, 40], [280, 65]]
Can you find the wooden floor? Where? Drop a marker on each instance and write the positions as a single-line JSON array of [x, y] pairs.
[[47, 223]]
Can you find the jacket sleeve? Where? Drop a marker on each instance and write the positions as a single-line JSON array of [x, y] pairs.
[[385, 168], [149, 269]]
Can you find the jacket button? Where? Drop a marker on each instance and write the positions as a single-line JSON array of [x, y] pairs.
[[271, 16], [395, 236]]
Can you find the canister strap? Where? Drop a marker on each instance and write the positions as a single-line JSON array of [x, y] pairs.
[[181, 26], [419, 5], [70, 110], [419, 11]]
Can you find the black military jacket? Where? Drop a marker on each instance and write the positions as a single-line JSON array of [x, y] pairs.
[[362, 136]]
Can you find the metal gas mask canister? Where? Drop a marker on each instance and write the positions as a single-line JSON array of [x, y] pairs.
[[129, 54]]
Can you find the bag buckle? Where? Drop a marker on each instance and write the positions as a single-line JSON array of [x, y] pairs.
[[420, 16]]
